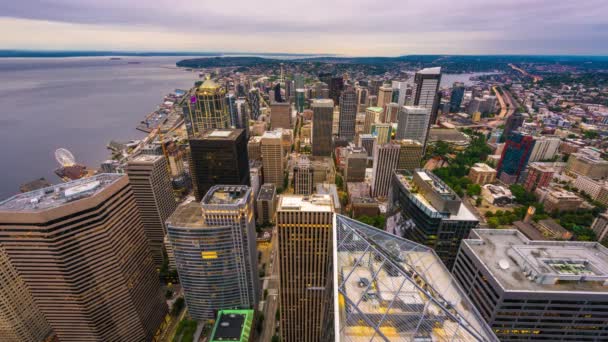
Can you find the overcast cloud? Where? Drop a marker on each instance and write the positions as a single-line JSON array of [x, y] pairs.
[[352, 27]]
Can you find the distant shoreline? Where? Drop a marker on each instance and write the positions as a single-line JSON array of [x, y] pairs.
[[67, 54]]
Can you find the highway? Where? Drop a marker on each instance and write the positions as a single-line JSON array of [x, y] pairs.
[[525, 73]]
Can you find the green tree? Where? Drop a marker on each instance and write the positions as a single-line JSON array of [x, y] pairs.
[[473, 189], [339, 182]]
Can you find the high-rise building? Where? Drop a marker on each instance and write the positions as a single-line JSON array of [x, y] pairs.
[[242, 116], [232, 110], [304, 229], [277, 93], [214, 243], [385, 95], [535, 290], [513, 122], [355, 164], [303, 177], [429, 212], [298, 81], [253, 97], [413, 123], [273, 158], [300, 100], [456, 97], [348, 114], [266, 204], [20, 318], [336, 85], [368, 142], [391, 113], [218, 156], [205, 107], [372, 116], [410, 154], [362, 94], [254, 148], [515, 156], [94, 278], [383, 132], [280, 115], [322, 119], [426, 86], [539, 176], [392, 289], [386, 159], [545, 148], [153, 193]]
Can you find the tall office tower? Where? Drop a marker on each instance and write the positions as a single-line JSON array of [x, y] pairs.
[[361, 98], [513, 123], [336, 85], [456, 97], [325, 77], [386, 159], [303, 177], [266, 204], [215, 251], [368, 142], [300, 100], [273, 158], [535, 290], [372, 101], [280, 115], [232, 110], [391, 113], [545, 148], [277, 93], [218, 156], [374, 87], [348, 114], [242, 116], [355, 164], [240, 90], [382, 132], [413, 123], [372, 115], [298, 81], [20, 318], [254, 148], [429, 212], [385, 95], [515, 156], [94, 278], [153, 193], [392, 289], [410, 154], [322, 119], [205, 107], [426, 86], [255, 176], [304, 229], [253, 97]]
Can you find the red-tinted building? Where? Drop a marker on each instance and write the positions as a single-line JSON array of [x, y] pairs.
[[539, 176], [515, 156]]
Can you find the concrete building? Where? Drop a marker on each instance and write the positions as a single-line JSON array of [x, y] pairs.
[[539, 175], [429, 212], [426, 94], [600, 226], [382, 132], [410, 154], [587, 162], [151, 184], [561, 200], [372, 117], [355, 164], [254, 148], [368, 142], [535, 290], [589, 186], [304, 228], [303, 177], [273, 158], [545, 148], [348, 114], [280, 115], [20, 318], [391, 113], [233, 325], [218, 156], [96, 279], [413, 123], [322, 118], [385, 95], [392, 289], [214, 243], [266, 204], [204, 108], [386, 160], [497, 195], [482, 174]]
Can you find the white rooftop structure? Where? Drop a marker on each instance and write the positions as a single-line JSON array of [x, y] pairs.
[[430, 71], [313, 203]]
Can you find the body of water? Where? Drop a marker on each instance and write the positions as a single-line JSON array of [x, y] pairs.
[[81, 104]]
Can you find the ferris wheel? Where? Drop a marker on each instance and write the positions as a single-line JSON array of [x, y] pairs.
[[64, 157]]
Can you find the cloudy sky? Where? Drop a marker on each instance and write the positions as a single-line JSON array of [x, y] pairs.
[[350, 27]]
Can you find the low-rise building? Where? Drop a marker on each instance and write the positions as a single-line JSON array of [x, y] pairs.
[[539, 175], [364, 206], [482, 174], [497, 195], [587, 162], [233, 325], [561, 200], [266, 204], [600, 226], [591, 187]]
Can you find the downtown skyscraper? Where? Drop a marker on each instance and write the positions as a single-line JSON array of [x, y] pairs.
[[348, 114], [95, 278], [322, 121], [205, 107]]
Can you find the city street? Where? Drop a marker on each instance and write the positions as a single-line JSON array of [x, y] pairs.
[[271, 281]]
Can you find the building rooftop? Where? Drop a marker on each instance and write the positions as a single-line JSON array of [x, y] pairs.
[[60, 194], [219, 134], [226, 195], [189, 214], [305, 203], [430, 71], [448, 135], [276, 134], [520, 264], [323, 103], [145, 158], [267, 192], [375, 109], [391, 289], [232, 325], [482, 167]]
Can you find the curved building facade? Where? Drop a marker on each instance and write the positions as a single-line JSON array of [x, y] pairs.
[[205, 107]]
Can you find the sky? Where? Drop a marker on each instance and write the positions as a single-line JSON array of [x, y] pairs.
[[348, 27]]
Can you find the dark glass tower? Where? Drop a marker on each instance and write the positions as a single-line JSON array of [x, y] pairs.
[[348, 114], [218, 156], [512, 124], [456, 97], [515, 156]]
